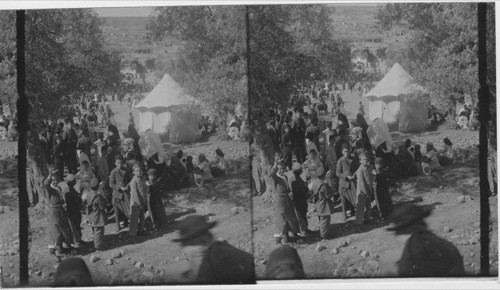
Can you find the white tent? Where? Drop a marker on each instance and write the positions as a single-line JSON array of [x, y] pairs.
[[165, 104], [387, 100]]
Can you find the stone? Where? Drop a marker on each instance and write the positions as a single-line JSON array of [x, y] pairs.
[[39, 273], [342, 243], [454, 237], [447, 229], [3, 253], [441, 187], [335, 251], [348, 241], [128, 258], [109, 262], [241, 209], [359, 252], [151, 267], [471, 241], [365, 254], [93, 259], [139, 265], [234, 210], [471, 255], [116, 255], [263, 262], [11, 265], [148, 274], [476, 225], [177, 259], [320, 248], [461, 199]]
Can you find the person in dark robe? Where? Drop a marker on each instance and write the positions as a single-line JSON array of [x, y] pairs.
[[69, 141], [286, 146], [273, 134], [177, 170], [407, 167], [381, 189], [343, 123], [298, 130], [46, 147], [112, 128], [424, 254], [299, 194], [154, 202]]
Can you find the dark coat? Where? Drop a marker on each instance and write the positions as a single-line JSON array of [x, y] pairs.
[[427, 255], [118, 178], [96, 205], [322, 197]]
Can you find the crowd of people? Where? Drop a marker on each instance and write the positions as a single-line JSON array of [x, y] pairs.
[[337, 165], [98, 172], [8, 127]]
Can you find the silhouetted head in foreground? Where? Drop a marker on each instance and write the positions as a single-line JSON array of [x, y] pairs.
[[72, 272]]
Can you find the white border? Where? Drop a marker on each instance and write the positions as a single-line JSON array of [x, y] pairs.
[[378, 283]]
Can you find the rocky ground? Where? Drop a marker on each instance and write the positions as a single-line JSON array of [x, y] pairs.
[[131, 260]]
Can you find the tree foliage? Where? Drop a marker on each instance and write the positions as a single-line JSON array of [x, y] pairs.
[[65, 57], [8, 91], [441, 50], [211, 62]]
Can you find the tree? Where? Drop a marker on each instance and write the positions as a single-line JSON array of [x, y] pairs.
[[211, 63], [65, 58], [441, 51], [8, 92]]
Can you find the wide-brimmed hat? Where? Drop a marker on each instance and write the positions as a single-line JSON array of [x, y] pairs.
[[193, 226], [407, 215]]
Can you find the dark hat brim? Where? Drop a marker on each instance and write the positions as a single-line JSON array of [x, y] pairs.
[[409, 221], [208, 226]]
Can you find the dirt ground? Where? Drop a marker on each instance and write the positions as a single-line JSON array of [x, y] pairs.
[[217, 200], [452, 193]]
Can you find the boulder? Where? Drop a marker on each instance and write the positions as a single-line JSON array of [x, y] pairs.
[[109, 262], [94, 258], [335, 251], [234, 210], [461, 199], [139, 265], [116, 255], [365, 254], [447, 229], [320, 248]]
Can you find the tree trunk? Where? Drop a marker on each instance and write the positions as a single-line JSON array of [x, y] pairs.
[[263, 148], [36, 168]]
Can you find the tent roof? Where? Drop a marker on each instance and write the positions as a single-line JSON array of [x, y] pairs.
[[395, 83], [167, 93]]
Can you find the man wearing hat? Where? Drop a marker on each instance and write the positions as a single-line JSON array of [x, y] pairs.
[[209, 262], [58, 218], [424, 254], [73, 207], [96, 205]]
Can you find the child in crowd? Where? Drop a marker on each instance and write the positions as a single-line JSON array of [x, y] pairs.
[[364, 190], [96, 205]]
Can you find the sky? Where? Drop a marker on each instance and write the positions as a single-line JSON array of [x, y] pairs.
[[124, 12]]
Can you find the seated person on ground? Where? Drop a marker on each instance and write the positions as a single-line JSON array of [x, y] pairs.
[[220, 165], [447, 155]]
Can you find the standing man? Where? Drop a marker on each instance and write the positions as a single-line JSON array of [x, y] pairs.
[[298, 130], [58, 218], [118, 180], [424, 254], [209, 262], [73, 207], [138, 191], [69, 142]]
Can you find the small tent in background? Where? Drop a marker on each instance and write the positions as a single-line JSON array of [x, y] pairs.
[[168, 110], [393, 100]]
